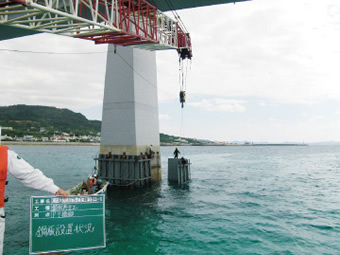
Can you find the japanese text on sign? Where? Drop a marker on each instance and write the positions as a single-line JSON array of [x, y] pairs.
[[73, 223]]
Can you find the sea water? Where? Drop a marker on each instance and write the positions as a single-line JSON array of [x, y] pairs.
[[241, 200]]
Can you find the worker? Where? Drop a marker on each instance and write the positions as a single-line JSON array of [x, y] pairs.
[[151, 152], [184, 161], [176, 152], [142, 156], [27, 175], [91, 184], [94, 186]]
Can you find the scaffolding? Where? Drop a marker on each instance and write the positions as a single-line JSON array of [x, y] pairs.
[[121, 22]]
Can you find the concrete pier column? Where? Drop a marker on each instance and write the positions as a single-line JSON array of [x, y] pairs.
[[130, 120]]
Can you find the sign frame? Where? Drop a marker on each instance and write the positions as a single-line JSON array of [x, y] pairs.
[[62, 211]]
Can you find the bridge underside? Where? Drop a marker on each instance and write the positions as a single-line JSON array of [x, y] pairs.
[[7, 32], [166, 5]]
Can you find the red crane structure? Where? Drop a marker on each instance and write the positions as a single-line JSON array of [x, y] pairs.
[[134, 23], [130, 120]]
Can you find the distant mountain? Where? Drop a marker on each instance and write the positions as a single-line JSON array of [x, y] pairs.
[[35, 120], [41, 121]]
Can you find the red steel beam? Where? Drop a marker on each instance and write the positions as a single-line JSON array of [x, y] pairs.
[[137, 14]]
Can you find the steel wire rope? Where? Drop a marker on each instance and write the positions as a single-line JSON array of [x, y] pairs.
[[53, 53], [181, 129], [180, 74], [182, 123], [84, 53], [183, 73], [175, 13], [145, 79], [134, 70], [186, 73], [182, 79], [182, 89], [177, 16], [182, 82]]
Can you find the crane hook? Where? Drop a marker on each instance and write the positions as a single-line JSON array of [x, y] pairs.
[[182, 97]]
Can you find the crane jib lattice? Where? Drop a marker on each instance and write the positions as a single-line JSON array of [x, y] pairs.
[[122, 22]]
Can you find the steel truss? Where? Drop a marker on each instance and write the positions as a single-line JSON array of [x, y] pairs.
[[133, 23]]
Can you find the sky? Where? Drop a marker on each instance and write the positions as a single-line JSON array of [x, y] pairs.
[[262, 71]]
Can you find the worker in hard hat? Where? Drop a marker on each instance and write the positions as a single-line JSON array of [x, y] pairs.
[[92, 184], [10, 162], [95, 183]]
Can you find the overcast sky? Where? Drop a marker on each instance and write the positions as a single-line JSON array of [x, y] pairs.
[[262, 70]]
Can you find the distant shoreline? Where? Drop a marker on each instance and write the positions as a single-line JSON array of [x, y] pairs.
[[98, 144], [281, 144], [49, 143]]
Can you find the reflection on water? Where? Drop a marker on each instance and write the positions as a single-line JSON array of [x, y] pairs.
[[265, 200], [132, 219]]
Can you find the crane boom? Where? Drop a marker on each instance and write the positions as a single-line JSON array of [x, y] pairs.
[[134, 23]]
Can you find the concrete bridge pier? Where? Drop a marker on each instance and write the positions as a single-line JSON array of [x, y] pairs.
[[130, 121]]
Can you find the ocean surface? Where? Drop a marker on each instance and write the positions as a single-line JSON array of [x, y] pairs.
[[241, 200]]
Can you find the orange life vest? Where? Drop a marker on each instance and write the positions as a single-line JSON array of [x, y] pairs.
[[3, 173], [91, 182]]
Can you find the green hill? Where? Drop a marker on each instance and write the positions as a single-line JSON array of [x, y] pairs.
[[169, 139], [43, 120]]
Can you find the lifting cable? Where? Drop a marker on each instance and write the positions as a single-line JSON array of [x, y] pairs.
[[182, 87], [184, 54], [176, 15], [183, 74]]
